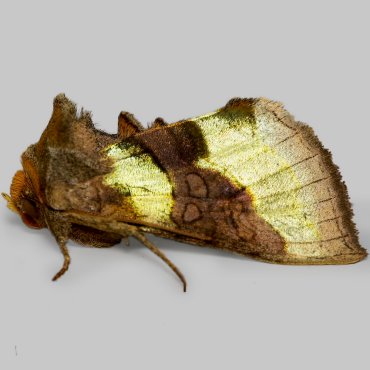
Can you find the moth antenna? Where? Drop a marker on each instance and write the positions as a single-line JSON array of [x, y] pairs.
[[6, 197], [10, 202], [67, 259], [162, 256]]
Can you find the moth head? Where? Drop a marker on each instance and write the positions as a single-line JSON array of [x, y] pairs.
[[23, 201]]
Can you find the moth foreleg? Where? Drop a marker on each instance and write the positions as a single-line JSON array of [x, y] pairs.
[[60, 227], [67, 259]]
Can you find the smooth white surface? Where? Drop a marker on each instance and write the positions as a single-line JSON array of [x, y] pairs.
[[121, 308]]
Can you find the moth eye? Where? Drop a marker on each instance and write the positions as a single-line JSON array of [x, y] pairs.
[[30, 213], [29, 207]]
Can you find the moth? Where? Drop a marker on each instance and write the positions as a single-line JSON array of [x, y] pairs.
[[246, 178]]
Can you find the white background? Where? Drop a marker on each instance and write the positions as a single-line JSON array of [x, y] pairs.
[[122, 308]]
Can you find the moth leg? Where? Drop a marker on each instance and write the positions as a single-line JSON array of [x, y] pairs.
[[60, 227], [126, 230], [67, 259], [161, 255]]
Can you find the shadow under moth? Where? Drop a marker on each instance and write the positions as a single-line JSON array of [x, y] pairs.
[[246, 178]]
